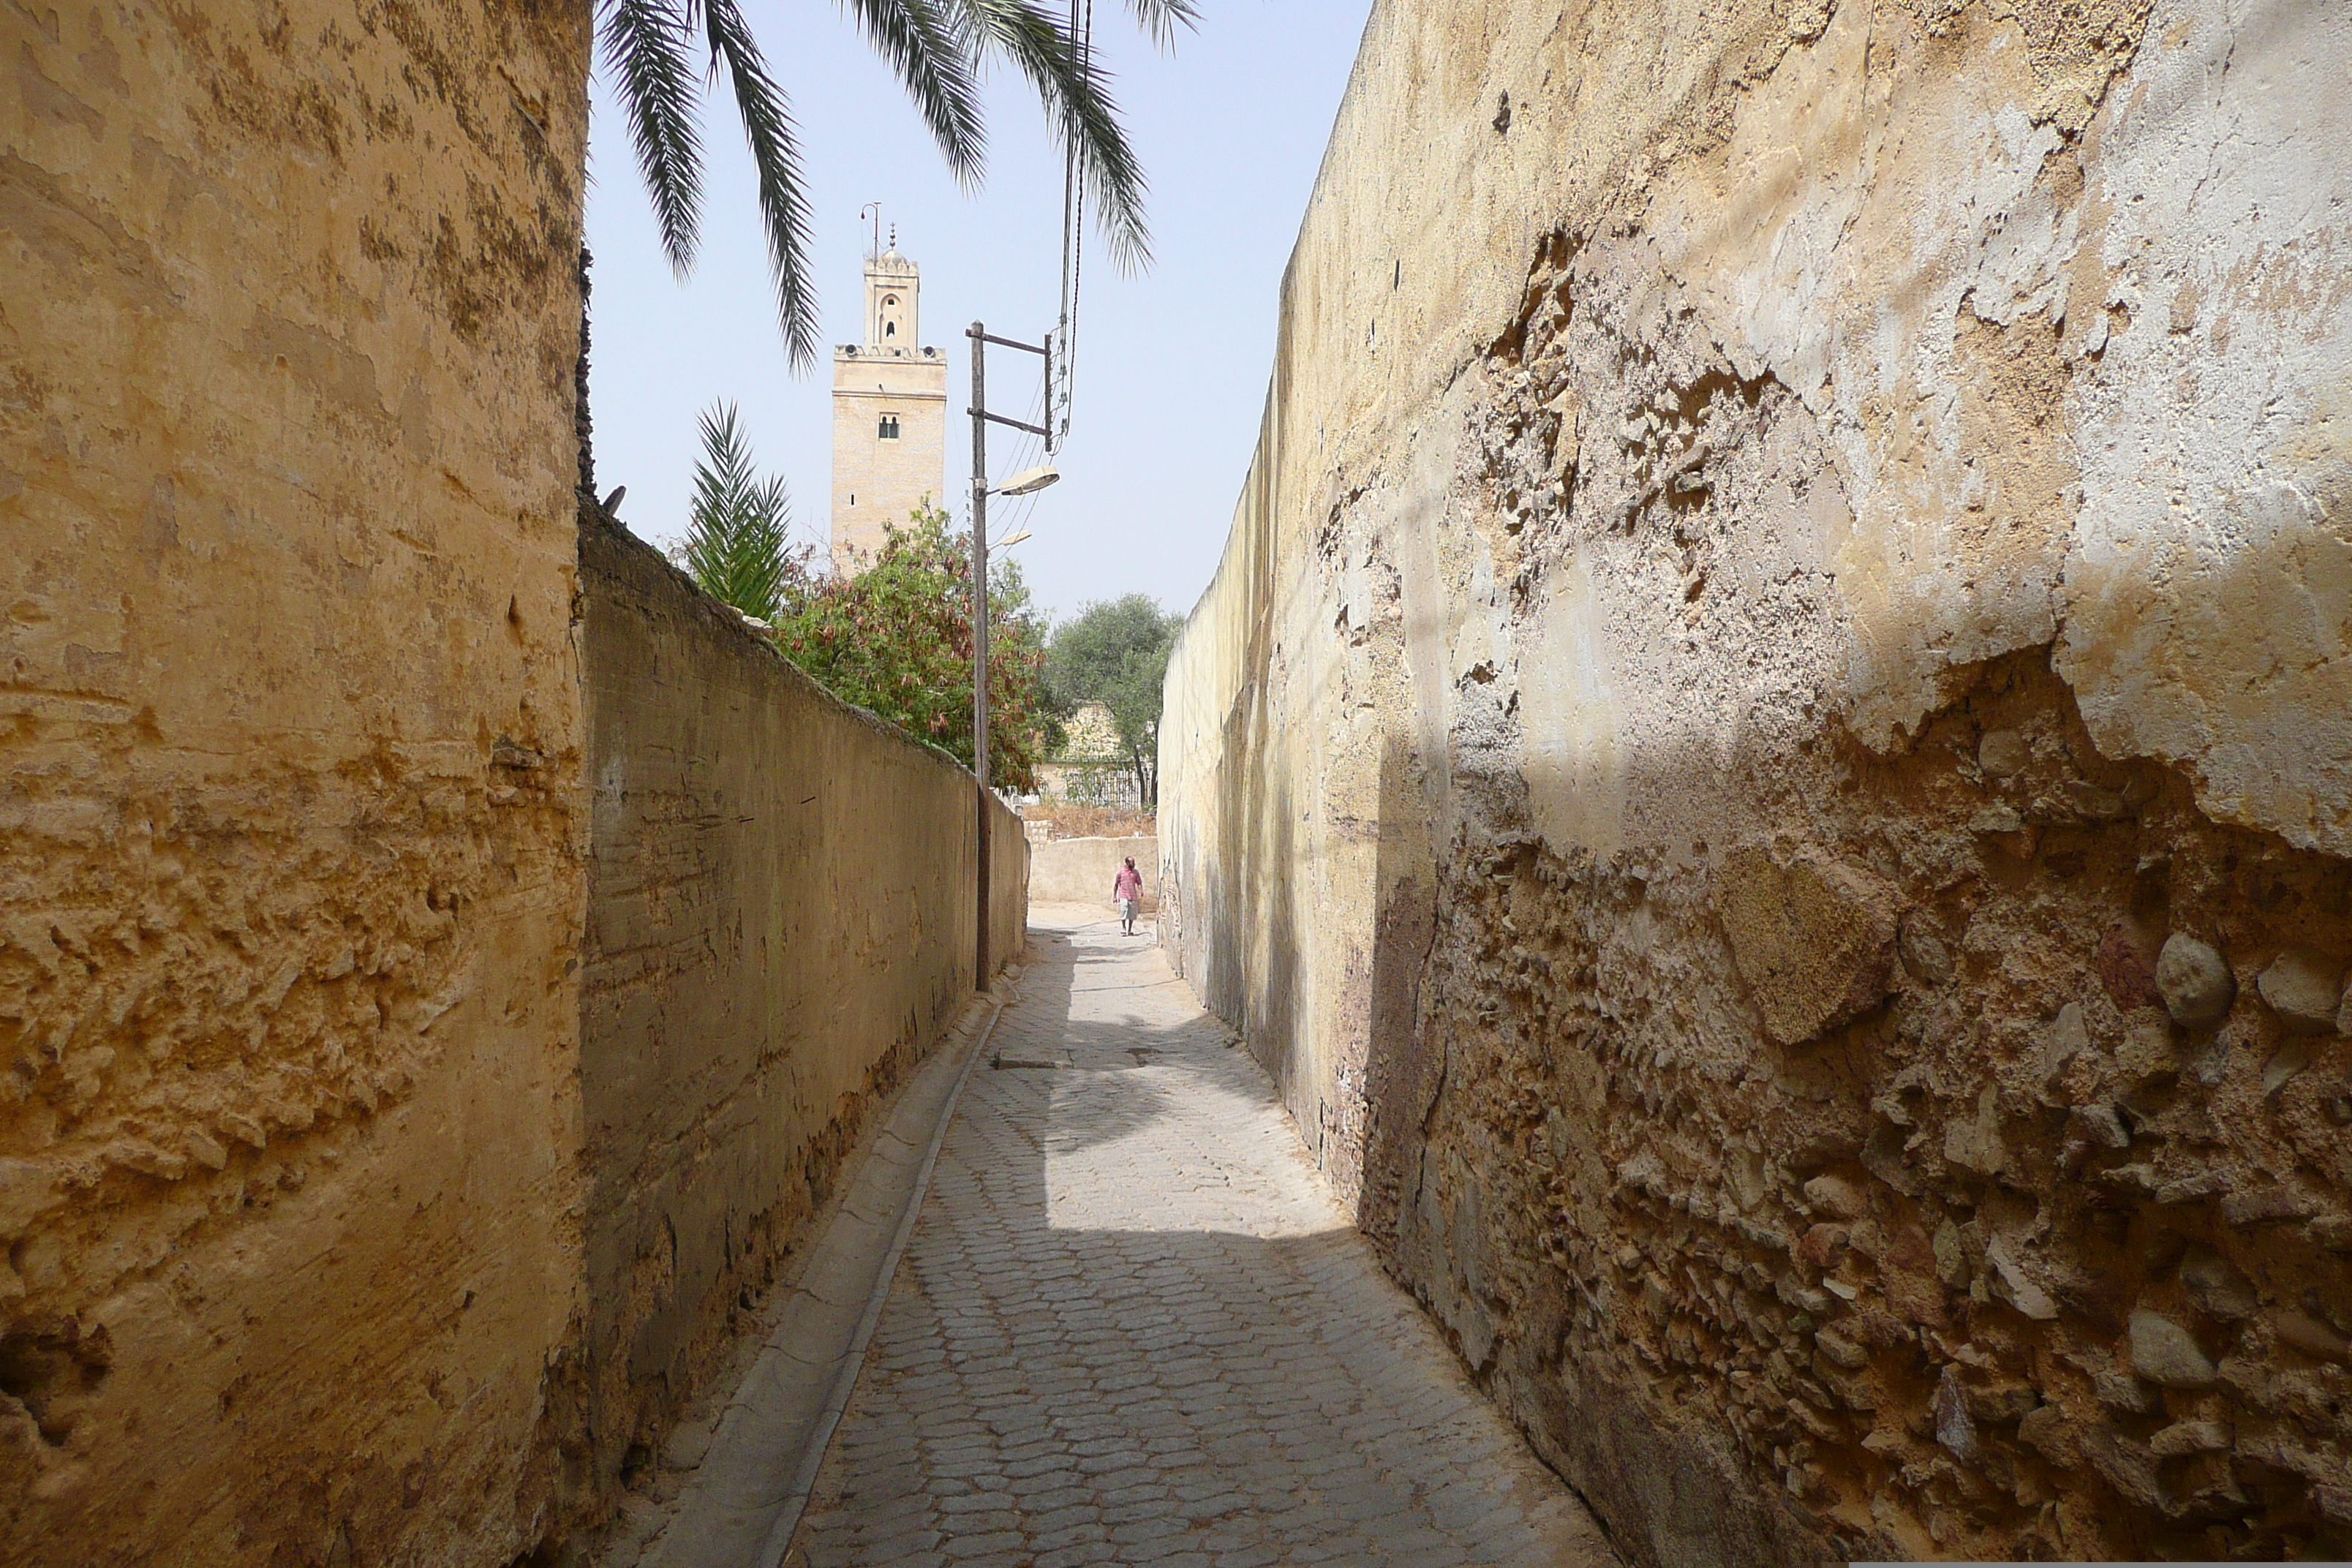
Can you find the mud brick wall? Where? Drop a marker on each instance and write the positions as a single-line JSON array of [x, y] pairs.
[[1770, 761], [289, 804], [780, 923]]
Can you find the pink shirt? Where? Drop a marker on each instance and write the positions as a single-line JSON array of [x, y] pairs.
[[1128, 884]]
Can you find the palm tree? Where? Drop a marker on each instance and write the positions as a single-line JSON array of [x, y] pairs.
[[735, 534], [937, 47]]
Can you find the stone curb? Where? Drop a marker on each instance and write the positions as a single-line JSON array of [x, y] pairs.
[[746, 1498]]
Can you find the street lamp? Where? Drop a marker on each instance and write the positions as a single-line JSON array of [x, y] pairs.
[[1029, 481], [1024, 483]]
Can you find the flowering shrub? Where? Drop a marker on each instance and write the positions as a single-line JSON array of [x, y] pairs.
[[896, 639]]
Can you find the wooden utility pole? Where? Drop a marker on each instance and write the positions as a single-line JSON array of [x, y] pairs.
[[981, 416]]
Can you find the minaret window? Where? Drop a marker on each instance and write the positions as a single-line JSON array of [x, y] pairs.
[[889, 427]]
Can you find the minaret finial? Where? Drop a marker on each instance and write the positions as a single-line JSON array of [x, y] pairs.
[[894, 237]]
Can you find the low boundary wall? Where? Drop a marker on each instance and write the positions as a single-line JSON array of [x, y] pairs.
[[1079, 870], [780, 923]]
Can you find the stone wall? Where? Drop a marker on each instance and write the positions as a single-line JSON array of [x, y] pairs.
[[1770, 761], [328, 1234], [780, 923], [1080, 870], [290, 803]]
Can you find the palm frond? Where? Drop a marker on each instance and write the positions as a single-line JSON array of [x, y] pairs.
[[735, 540], [645, 43], [1076, 95], [1160, 19], [929, 50], [936, 47], [775, 153]]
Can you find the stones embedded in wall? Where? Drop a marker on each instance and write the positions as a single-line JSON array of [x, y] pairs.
[[1813, 938], [2006, 1261], [1903, 1087], [1932, 1145]]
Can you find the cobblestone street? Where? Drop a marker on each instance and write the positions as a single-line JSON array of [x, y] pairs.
[[1134, 1327]]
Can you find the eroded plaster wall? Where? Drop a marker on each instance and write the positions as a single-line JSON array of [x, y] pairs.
[[289, 804], [1766, 763], [780, 924]]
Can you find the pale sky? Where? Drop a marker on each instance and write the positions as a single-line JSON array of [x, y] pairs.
[[1172, 363]]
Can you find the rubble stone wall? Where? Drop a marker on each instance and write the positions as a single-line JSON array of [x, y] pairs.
[[290, 803], [780, 923], [1770, 761]]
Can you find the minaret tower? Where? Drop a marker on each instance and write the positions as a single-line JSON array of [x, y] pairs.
[[889, 415]]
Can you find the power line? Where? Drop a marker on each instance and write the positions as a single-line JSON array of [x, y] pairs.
[[1025, 454], [1074, 245]]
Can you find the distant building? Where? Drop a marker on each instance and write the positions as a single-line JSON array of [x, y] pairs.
[[1091, 769], [889, 413]]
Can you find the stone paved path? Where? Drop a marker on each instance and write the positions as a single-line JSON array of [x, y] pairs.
[[1133, 1327]]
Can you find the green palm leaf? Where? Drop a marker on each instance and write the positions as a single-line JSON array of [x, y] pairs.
[[1075, 93], [737, 528], [645, 43], [784, 197], [1160, 19], [925, 46], [935, 48]]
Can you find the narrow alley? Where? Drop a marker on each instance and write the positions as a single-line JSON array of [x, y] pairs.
[[1133, 1327], [1718, 637]]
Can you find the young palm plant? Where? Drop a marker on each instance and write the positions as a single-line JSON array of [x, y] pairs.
[[938, 47], [735, 537]]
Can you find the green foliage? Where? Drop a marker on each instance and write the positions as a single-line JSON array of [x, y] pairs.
[[896, 639], [939, 49], [735, 541], [1114, 652]]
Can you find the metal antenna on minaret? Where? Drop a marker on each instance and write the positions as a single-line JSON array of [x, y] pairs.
[[875, 209]]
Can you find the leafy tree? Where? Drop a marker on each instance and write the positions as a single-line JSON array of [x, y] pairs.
[[896, 639], [735, 541], [939, 49], [1114, 652]]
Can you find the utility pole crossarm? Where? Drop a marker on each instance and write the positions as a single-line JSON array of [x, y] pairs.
[[1000, 419], [1024, 483]]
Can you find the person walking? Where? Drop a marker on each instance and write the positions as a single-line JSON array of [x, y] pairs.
[[1127, 888]]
